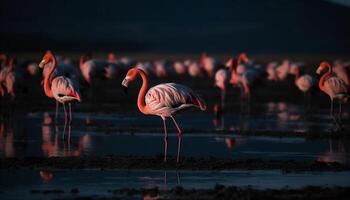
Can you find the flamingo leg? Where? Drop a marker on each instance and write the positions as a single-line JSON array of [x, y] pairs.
[[339, 114], [165, 140], [70, 113], [179, 139], [56, 114], [223, 94], [65, 120]]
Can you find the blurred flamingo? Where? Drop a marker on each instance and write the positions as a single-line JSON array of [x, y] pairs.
[[209, 64], [333, 86], [163, 100], [61, 88], [303, 82], [340, 71], [244, 81], [221, 76], [180, 67]]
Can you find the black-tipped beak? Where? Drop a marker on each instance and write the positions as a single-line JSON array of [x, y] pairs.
[[125, 89]]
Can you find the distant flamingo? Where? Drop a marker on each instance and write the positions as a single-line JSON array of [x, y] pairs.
[[9, 78], [61, 88], [333, 86], [339, 69], [303, 82], [244, 81], [222, 75], [209, 64], [163, 100], [94, 68]]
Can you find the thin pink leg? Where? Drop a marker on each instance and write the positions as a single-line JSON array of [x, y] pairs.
[[56, 114], [165, 140], [65, 120], [70, 113], [179, 139]]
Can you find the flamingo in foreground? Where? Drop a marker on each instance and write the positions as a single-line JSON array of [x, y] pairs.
[[333, 86], [163, 100], [61, 88]]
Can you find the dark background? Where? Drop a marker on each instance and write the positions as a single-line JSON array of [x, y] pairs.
[[181, 26]]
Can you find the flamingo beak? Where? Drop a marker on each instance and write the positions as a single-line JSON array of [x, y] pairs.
[[42, 63], [125, 84], [319, 70]]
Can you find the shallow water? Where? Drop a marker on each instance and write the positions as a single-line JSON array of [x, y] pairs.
[[33, 134], [95, 182]]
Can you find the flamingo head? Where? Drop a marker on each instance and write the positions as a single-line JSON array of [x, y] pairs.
[[229, 63], [46, 59], [130, 77], [322, 66], [243, 58], [111, 57]]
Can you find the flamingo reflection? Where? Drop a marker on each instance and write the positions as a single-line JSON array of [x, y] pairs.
[[338, 152], [46, 176], [52, 146]]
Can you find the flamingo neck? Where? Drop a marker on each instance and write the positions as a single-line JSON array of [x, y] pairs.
[[297, 74], [47, 83], [324, 77], [141, 97]]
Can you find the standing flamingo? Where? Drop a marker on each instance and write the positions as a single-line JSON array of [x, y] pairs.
[[163, 100], [333, 86], [303, 82], [222, 75], [61, 88]]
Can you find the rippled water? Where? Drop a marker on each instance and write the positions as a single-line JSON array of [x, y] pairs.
[[94, 182], [33, 134]]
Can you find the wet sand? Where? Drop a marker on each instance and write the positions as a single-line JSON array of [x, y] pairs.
[[156, 163]]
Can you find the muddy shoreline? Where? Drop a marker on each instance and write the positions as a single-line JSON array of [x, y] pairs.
[[156, 163], [217, 192]]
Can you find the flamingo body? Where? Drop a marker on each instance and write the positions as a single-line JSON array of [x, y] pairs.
[[166, 99], [304, 83]]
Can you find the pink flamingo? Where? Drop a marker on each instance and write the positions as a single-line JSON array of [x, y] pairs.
[[3, 72], [208, 63], [61, 88], [8, 78], [303, 82], [333, 86], [222, 75], [340, 71], [163, 100]]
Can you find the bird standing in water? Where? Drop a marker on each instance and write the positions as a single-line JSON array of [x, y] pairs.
[[163, 100], [61, 88], [333, 86]]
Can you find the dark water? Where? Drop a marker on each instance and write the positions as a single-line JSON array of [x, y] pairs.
[[91, 182], [33, 134]]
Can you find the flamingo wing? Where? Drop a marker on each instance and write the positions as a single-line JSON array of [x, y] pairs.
[[165, 99], [335, 86], [64, 89]]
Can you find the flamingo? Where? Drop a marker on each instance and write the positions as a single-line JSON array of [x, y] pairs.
[[179, 67], [61, 88], [163, 100], [340, 71], [221, 76], [9, 77], [303, 82], [245, 80], [91, 68], [209, 64], [333, 86]]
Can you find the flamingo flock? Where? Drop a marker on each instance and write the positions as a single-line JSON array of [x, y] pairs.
[[62, 81]]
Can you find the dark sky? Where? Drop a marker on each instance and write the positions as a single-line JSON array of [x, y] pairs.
[[270, 26]]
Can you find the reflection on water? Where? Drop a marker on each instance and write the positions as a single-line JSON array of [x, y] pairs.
[[18, 183], [35, 134]]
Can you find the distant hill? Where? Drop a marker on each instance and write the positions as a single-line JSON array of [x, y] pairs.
[[269, 26]]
